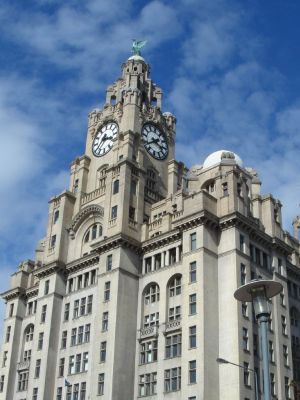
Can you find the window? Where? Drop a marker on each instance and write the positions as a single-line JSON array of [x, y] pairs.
[[102, 352], [272, 382], [69, 392], [282, 299], [11, 309], [40, 340], [73, 336], [193, 271], [173, 346], [100, 384], [131, 213], [86, 280], [105, 321], [75, 187], [242, 243], [71, 364], [4, 359], [93, 277], [151, 320], [29, 333], [245, 309], [106, 291], [192, 304], [193, 241], [82, 306], [94, 232], [152, 294], [43, 313], [79, 282], [87, 332], [35, 393], [59, 393], [116, 186], [76, 309], [174, 313], [225, 188], [243, 274], [85, 362], [133, 186], [80, 335], [246, 374], [114, 212], [7, 336], [53, 241], [89, 304], [175, 286], [294, 317], [148, 352], [287, 388], [37, 368], [78, 363], [46, 287], [147, 384], [56, 216], [192, 337], [172, 379], [245, 339], [61, 367], [83, 391], [27, 355], [280, 266], [283, 325], [64, 339], [271, 351], [76, 391], [2, 383], [109, 262], [67, 312], [22, 381], [192, 372], [285, 355]]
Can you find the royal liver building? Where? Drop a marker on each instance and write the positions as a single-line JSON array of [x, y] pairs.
[[130, 294]]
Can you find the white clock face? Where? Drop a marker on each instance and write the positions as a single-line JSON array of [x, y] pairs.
[[155, 142], [103, 140]]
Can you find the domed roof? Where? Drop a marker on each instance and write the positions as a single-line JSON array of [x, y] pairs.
[[136, 57], [222, 156]]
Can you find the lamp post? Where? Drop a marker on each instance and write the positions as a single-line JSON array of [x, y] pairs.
[[259, 291], [223, 361]]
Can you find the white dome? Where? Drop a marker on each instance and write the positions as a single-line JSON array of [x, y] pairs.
[[222, 156]]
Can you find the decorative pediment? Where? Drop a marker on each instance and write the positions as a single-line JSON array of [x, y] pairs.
[[93, 209]]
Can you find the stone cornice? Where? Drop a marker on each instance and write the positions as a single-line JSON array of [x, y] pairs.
[[119, 240], [32, 292], [162, 240], [66, 193], [282, 246], [203, 217], [83, 262], [49, 269], [13, 294], [293, 271]]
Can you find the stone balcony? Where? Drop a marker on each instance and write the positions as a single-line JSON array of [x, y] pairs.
[[87, 197], [148, 332], [172, 325], [23, 365]]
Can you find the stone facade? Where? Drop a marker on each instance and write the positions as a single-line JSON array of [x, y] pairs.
[[131, 290]]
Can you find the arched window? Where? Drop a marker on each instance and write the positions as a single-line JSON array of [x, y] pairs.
[[175, 286], [29, 333], [151, 294], [93, 233]]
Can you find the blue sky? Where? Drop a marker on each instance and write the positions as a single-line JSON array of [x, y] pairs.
[[229, 71]]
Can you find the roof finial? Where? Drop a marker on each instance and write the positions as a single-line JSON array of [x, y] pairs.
[[137, 45]]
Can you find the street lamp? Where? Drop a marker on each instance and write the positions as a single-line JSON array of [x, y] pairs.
[[259, 291], [223, 361]]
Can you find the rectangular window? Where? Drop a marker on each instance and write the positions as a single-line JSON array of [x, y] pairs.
[[280, 267], [287, 388], [172, 379], [11, 309], [35, 393], [193, 271], [22, 381], [285, 355], [109, 262], [192, 337], [243, 274], [89, 307], [131, 213], [40, 341], [87, 333], [193, 241], [4, 359], [67, 312], [79, 282], [225, 188], [245, 339], [80, 335], [272, 382], [73, 336], [7, 335], [245, 309], [43, 313], [105, 321], [82, 306], [193, 304], [192, 372], [27, 355], [242, 243], [64, 339], [86, 280], [147, 384], [53, 241], [37, 368], [174, 313], [100, 384], [85, 362], [76, 309], [282, 299], [59, 393], [61, 367], [46, 287], [102, 352], [93, 277], [151, 320], [246, 374], [69, 392], [83, 391], [173, 346], [107, 291], [148, 352], [116, 186], [76, 391], [114, 212], [72, 365], [78, 363], [2, 383], [271, 351], [283, 324], [133, 186]]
